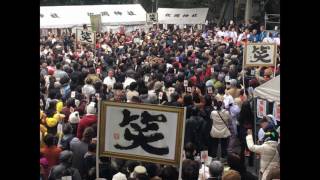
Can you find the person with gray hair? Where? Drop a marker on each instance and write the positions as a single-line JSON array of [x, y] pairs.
[[234, 91], [215, 170]]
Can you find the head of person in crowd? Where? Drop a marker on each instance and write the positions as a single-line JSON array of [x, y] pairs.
[[91, 108], [67, 129], [74, 117], [169, 173], [254, 31], [67, 136], [88, 134], [130, 165], [139, 171], [266, 124], [70, 103], [89, 81], [231, 175], [235, 163], [216, 169], [187, 100], [233, 83], [271, 135], [190, 170], [119, 176], [66, 157], [58, 66], [133, 86], [190, 150], [98, 86], [218, 105], [50, 140], [152, 171], [111, 73]]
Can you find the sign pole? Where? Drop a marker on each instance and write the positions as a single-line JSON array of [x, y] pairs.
[[182, 144], [98, 140], [275, 61], [243, 56]]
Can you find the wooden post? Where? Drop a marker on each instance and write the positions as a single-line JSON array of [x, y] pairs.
[[98, 141], [182, 144]]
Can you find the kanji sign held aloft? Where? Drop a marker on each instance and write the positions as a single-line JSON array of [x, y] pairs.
[[260, 54]]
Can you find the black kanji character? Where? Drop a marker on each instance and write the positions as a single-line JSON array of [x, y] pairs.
[[85, 36], [54, 15], [117, 13], [168, 15], [140, 139], [127, 118], [131, 13], [176, 15], [194, 15], [261, 54], [105, 13]]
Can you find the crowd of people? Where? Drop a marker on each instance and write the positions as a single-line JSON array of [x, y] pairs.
[[197, 69]]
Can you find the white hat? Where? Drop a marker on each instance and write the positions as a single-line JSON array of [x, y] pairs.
[[74, 117], [119, 176], [91, 108], [140, 170]]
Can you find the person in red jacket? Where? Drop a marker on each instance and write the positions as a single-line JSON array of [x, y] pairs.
[[51, 152], [89, 119]]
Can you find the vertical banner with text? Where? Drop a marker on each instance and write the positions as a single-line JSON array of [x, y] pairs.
[[96, 22]]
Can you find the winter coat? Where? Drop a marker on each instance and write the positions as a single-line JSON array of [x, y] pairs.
[[207, 125], [269, 155], [85, 122], [193, 131], [60, 170], [51, 154], [65, 141], [64, 169], [79, 149], [219, 127]]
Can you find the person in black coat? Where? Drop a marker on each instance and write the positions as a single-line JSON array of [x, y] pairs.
[[189, 104], [207, 124], [246, 121], [193, 129], [234, 162], [67, 137]]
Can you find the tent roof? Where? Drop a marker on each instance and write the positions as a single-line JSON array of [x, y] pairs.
[[71, 16], [269, 90]]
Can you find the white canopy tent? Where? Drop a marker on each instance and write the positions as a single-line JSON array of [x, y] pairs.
[[269, 90], [182, 16], [73, 16]]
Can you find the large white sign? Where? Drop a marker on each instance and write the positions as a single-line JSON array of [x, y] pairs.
[[142, 132], [85, 36], [260, 54], [72, 16], [182, 16]]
